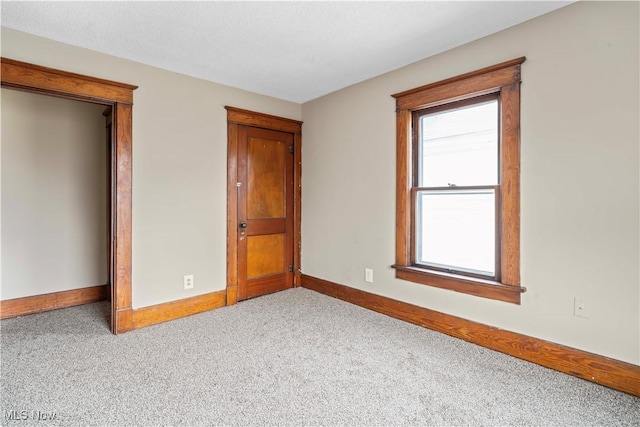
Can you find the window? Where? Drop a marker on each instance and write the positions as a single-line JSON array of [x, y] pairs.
[[455, 190], [458, 183]]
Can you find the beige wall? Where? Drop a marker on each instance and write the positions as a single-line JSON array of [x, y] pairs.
[[580, 181], [54, 195], [179, 164]]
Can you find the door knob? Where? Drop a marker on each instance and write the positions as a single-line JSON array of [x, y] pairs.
[[243, 226]]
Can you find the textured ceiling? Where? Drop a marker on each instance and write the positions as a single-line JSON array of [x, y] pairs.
[[296, 51]]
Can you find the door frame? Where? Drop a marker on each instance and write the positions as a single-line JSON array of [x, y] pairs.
[[48, 81], [237, 117]]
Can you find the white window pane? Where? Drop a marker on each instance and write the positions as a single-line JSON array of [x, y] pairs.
[[460, 146], [456, 230]]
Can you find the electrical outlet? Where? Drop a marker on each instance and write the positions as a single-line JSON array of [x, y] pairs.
[[580, 308], [188, 281], [368, 275]]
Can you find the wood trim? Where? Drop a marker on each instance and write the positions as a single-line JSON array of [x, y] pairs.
[[123, 210], [602, 370], [466, 285], [37, 79], [297, 207], [461, 78], [510, 184], [53, 301], [232, 295], [152, 315], [403, 199], [122, 321], [235, 118], [261, 120], [475, 86]]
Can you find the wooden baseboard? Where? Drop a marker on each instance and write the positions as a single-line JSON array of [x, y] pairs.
[[592, 367], [147, 316], [53, 301]]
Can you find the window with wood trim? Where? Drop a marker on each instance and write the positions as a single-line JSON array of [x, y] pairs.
[[458, 183]]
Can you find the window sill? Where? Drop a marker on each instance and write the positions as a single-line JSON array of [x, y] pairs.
[[466, 285]]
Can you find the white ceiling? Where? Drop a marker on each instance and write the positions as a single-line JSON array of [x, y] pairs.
[[294, 50]]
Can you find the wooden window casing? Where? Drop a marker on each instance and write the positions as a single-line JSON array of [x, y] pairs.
[[503, 80]]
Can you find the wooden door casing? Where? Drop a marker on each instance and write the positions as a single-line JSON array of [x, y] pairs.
[[48, 81], [237, 120]]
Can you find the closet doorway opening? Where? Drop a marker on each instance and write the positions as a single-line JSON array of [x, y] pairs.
[[117, 100]]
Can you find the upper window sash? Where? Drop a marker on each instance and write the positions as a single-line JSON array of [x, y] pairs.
[[421, 172]]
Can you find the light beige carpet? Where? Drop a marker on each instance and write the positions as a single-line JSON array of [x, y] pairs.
[[292, 358]]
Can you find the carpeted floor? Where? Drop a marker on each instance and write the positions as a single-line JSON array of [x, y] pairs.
[[292, 358]]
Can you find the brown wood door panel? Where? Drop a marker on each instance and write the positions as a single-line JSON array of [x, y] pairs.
[[267, 226], [265, 211], [265, 286], [266, 255], [266, 174]]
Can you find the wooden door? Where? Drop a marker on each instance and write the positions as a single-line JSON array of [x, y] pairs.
[[265, 211]]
